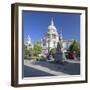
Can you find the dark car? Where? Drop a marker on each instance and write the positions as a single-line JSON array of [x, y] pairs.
[[70, 55]]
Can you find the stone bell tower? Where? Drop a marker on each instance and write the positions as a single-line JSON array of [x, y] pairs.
[[28, 43]]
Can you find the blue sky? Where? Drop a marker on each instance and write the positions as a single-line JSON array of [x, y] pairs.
[[36, 25]]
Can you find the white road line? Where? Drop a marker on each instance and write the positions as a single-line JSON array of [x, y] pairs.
[[45, 69]]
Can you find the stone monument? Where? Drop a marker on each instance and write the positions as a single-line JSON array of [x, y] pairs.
[[59, 56]]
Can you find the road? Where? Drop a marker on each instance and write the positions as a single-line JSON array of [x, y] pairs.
[[50, 68]]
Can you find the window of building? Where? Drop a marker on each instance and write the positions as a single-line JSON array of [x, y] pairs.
[[48, 35], [44, 44], [54, 43], [53, 36]]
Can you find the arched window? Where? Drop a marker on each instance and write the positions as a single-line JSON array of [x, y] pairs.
[[48, 35], [53, 36]]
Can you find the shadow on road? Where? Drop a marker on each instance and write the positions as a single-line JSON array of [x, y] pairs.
[[67, 67], [31, 72]]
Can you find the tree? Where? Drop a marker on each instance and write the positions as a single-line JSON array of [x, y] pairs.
[[75, 47], [37, 49], [27, 52], [53, 51]]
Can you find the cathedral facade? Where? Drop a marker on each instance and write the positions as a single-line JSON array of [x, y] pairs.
[[51, 39]]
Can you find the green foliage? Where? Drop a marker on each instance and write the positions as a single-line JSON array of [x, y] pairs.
[[37, 49], [53, 51], [33, 53], [27, 53], [75, 47]]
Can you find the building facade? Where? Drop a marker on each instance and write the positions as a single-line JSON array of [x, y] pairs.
[[52, 37], [50, 40]]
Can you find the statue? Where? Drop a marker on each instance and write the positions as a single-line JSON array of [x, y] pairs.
[[59, 56]]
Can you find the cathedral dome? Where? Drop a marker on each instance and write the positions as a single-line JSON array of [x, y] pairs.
[[51, 26]]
